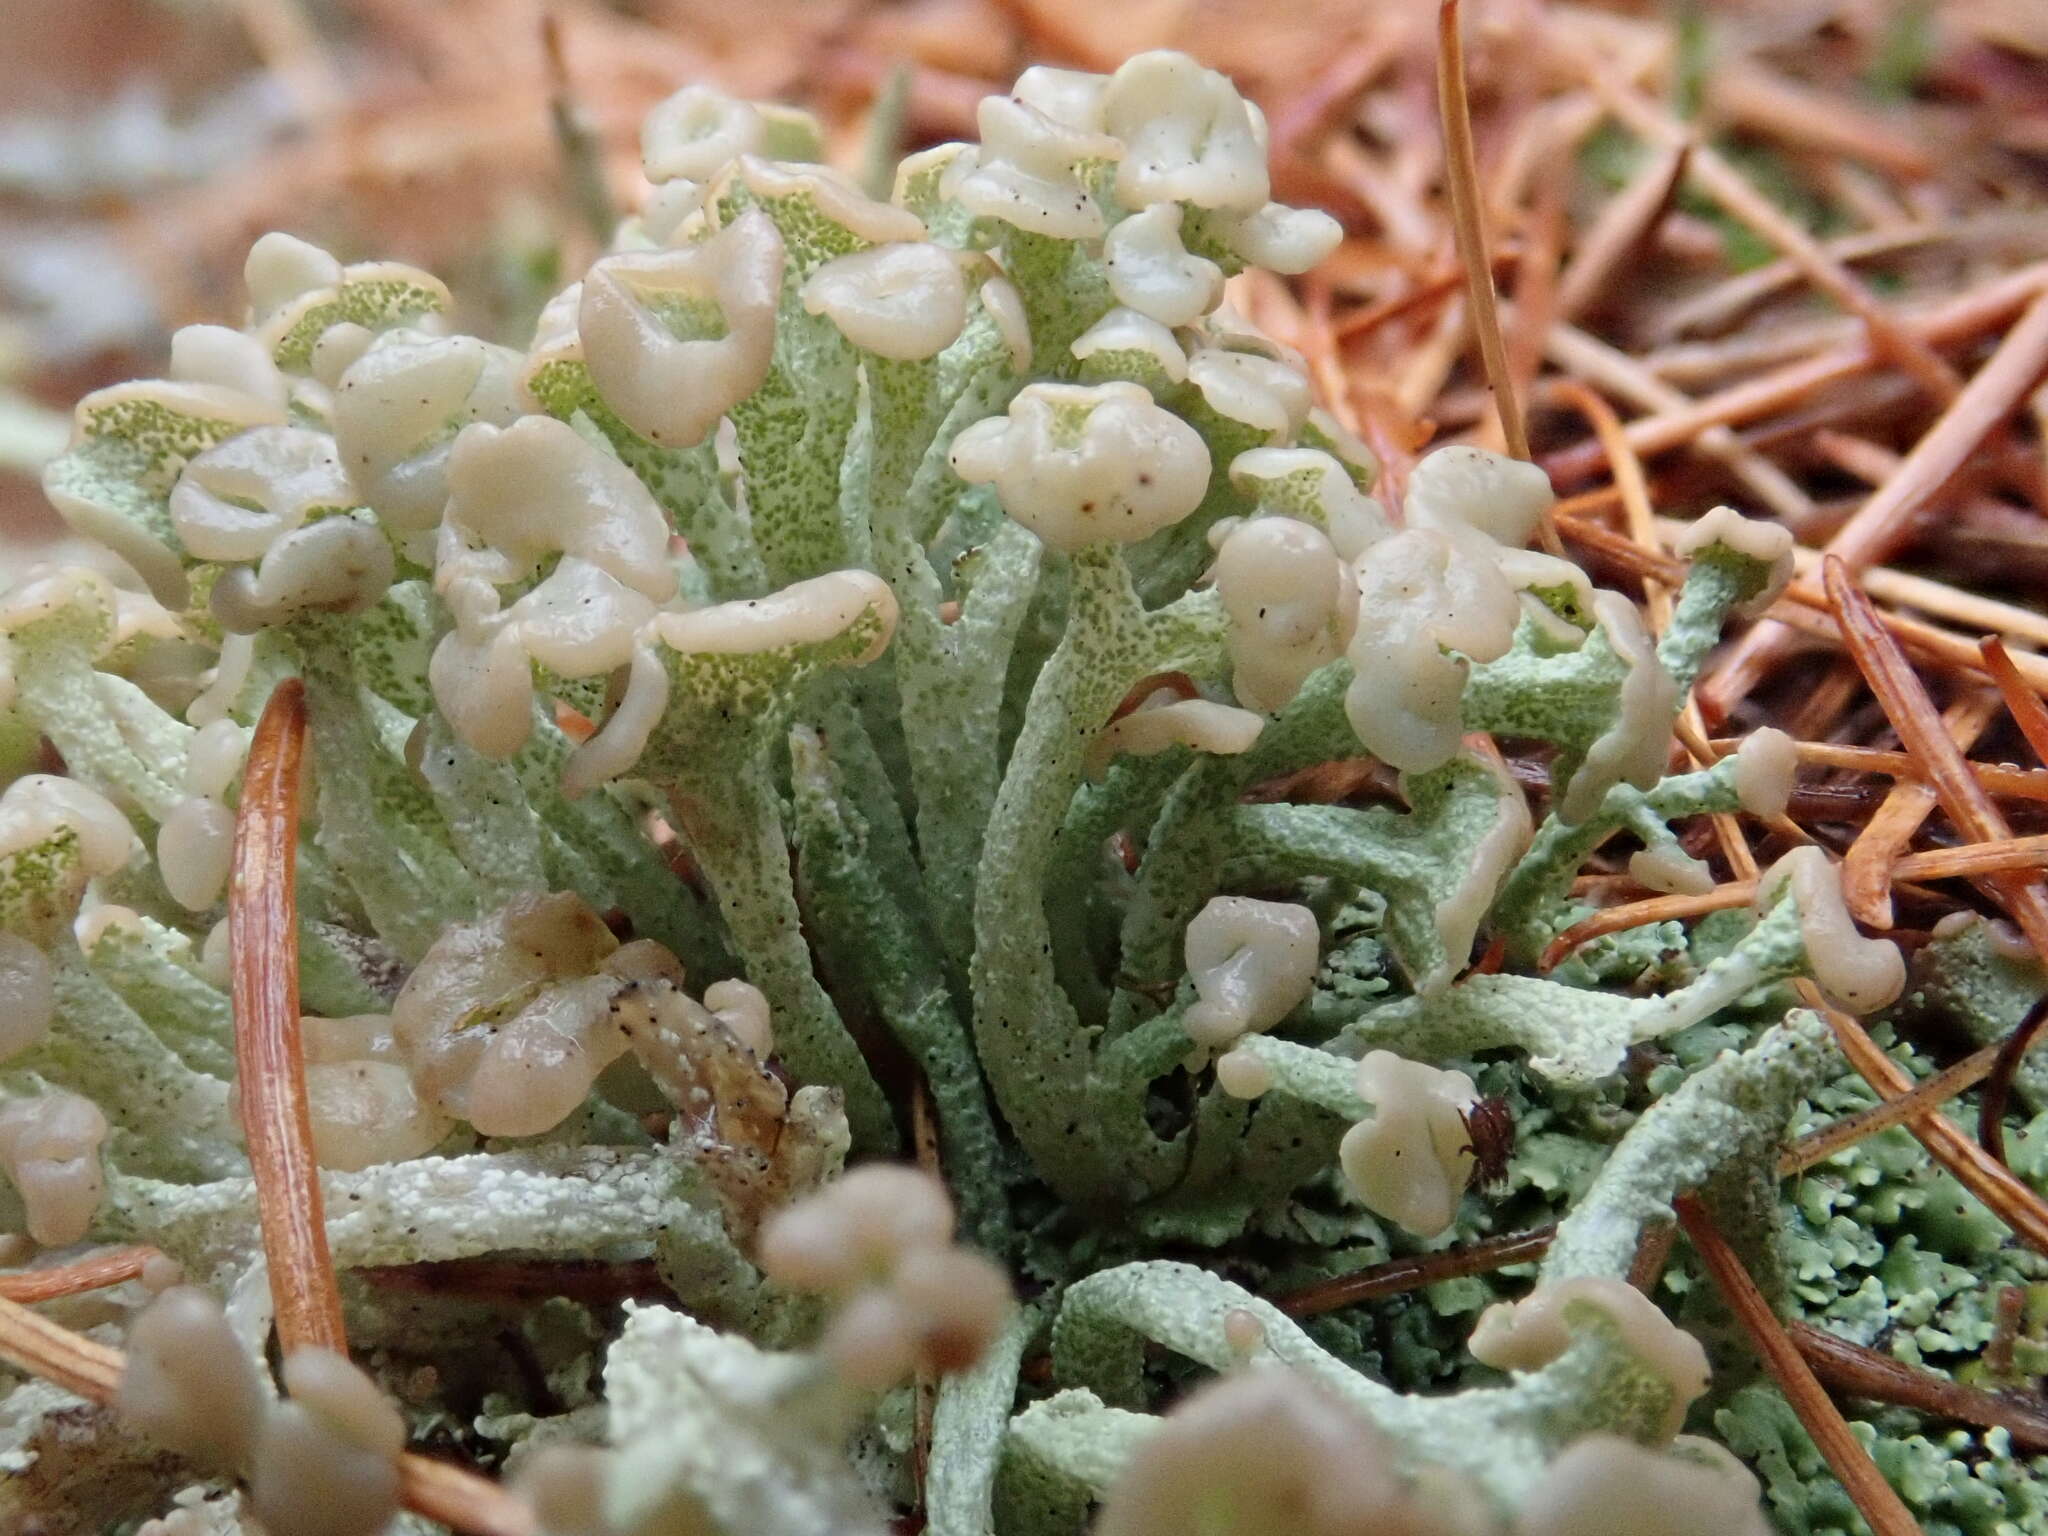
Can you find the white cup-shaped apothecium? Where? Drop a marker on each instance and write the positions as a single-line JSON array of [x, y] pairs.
[[904, 301], [1087, 464], [675, 338], [50, 1150], [1411, 1159], [1252, 962]]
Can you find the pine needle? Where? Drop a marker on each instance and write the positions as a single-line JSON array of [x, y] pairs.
[[1461, 173], [1417, 1270], [1872, 1495], [1998, 1082], [1883, 524], [1856, 1371], [1867, 866], [31, 1342], [2005, 1196], [2028, 713], [1820, 1145], [94, 1272], [1915, 718], [459, 1499], [263, 924]]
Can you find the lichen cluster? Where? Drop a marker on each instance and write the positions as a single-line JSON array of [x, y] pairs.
[[817, 690]]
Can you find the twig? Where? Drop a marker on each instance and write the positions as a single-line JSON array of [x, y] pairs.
[[1859, 1372], [269, 1054], [1872, 1495]]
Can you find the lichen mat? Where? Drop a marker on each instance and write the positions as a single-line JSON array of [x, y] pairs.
[[805, 709]]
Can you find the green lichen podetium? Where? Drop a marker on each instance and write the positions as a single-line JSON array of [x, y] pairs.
[[876, 786]]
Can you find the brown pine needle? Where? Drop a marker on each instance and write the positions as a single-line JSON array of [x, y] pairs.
[[459, 1499], [1966, 316], [1970, 861], [1761, 100], [1628, 379], [269, 1054], [2028, 713], [1715, 308], [1872, 1495], [94, 1272], [1885, 521], [1803, 608], [2005, 1196], [1952, 605], [1637, 914], [1692, 734], [462, 1500], [1619, 229], [1914, 717], [1867, 866], [1414, 1271], [2014, 783], [1536, 270], [580, 150], [1626, 470], [1432, 290], [1726, 185], [1998, 1084], [1819, 1145], [1855, 1371], [31, 1342], [1461, 173]]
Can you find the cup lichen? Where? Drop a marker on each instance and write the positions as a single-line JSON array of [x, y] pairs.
[[899, 625]]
